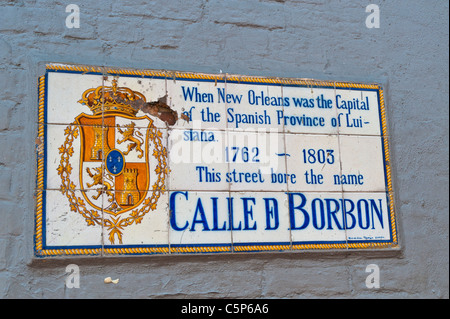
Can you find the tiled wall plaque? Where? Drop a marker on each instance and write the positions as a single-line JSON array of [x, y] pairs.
[[161, 162]]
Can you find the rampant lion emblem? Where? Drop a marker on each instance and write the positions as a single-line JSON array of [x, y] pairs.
[[128, 136], [98, 180]]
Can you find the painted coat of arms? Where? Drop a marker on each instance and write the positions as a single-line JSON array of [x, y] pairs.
[[119, 154]]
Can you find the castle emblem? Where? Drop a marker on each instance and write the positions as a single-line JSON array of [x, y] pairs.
[[122, 166]]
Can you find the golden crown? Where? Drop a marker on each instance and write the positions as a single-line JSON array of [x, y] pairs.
[[111, 99]]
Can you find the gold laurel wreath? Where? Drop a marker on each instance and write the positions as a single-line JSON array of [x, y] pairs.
[[92, 217]]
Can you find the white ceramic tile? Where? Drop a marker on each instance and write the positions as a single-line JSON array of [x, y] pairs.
[[316, 218], [196, 160], [260, 218], [62, 167], [310, 110], [368, 217], [198, 218], [64, 90], [200, 101], [256, 161], [358, 112], [254, 106], [70, 221], [145, 225], [313, 161], [362, 163]]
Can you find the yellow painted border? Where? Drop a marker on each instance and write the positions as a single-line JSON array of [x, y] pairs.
[[387, 161], [136, 250], [258, 247], [200, 249], [319, 246], [215, 77], [38, 236], [40, 164]]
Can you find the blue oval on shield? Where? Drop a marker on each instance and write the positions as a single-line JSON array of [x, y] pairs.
[[115, 162]]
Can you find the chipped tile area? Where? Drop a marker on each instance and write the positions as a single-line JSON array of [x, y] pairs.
[[157, 162]]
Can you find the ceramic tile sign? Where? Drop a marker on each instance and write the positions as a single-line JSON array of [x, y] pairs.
[[138, 162]]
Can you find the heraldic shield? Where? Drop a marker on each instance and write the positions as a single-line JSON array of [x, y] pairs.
[[114, 160], [120, 153]]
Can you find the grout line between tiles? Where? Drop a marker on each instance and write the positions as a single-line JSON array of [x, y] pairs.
[[288, 182], [340, 172], [227, 141]]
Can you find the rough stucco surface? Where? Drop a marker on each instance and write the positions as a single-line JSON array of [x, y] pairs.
[[326, 40]]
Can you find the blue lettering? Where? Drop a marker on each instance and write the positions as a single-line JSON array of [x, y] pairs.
[[293, 208], [331, 214], [215, 216], [314, 214], [228, 98], [187, 93], [378, 212], [191, 93], [173, 222], [360, 218], [248, 213], [202, 220], [271, 213], [348, 213], [230, 215]]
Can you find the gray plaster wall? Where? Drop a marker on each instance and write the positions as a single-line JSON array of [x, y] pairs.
[[319, 39]]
